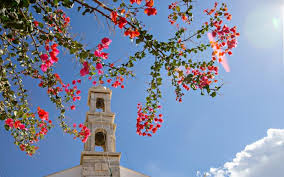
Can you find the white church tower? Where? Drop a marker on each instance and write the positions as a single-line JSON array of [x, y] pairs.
[[99, 157]]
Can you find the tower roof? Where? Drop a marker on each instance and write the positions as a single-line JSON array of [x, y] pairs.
[[98, 89]]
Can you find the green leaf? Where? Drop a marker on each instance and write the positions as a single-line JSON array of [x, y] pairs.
[[7, 127], [213, 94], [37, 9], [159, 81], [178, 8], [55, 2], [2, 117]]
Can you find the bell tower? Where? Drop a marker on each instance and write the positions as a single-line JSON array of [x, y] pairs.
[[99, 157]]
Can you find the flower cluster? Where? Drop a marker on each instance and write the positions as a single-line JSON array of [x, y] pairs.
[[176, 8], [46, 60], [150, 10], [121, 22], [85, 70], [28, 133], [84, 133], [61, 18], [43, 115], [148, 122], [17, 124], [196, 78], [99, 56], [132, 33], [226, 36]]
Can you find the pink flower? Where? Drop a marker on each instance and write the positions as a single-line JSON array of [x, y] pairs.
[[17, 123], [72, 107], [55, 51], [53, 46], [74, 125], [100, 72], [104, 55], [43, 67], [9, 122], [53, 55], [35, 23], [85, 139], [100, 47], [85, 69], [43, 115], [106, 41], [44, 57], [232, 44], [22, 126], [98, 53], [99, 66]]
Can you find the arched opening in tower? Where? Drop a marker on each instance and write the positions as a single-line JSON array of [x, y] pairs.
[[100, 142], [100, 105]]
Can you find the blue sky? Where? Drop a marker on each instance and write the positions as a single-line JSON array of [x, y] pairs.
[[197, 134]]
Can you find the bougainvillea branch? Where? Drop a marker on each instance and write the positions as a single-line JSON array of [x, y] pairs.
[[34, 32]]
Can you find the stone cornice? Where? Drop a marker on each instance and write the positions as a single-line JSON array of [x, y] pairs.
[[99, 154]]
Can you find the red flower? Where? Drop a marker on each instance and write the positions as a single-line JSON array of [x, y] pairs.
[[9, 122], [150, 11], [122, 22], [113, 16], [104, 55], [22, 126], [85, 69], [17, 124], [149, 3], [44, 57], [72, 107], [43, 67], [53, 54], [35, 23], [22, 147], [131, 33], [137, 1], [99, 66], [43, 115], [98, 53], [106, 41], [101, 47]]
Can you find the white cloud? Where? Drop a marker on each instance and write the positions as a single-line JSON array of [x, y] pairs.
[[263, 158]]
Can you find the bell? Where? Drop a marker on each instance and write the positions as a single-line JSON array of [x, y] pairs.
[[100, 139], [100, 103]]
